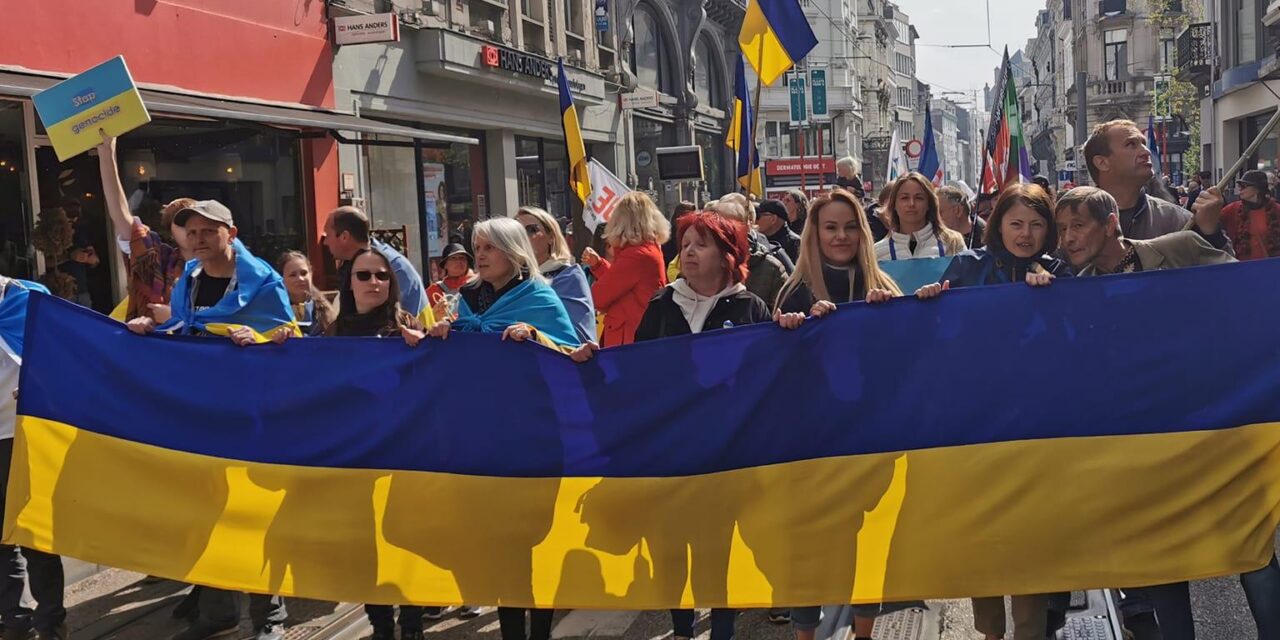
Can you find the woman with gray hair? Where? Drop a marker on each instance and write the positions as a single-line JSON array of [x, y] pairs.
[[556, 264], [847, 170], [797, 204]]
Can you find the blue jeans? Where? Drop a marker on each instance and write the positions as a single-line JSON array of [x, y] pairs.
[[722, 623], [1262, 590]]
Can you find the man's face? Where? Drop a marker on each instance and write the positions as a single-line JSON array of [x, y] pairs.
[[340, 245], [206, 238], [1249, 193], [768, 223], [1082, 237], [1130, 159], [952, 213]]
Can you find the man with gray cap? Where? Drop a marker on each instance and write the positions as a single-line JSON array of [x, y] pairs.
[[227, 291]]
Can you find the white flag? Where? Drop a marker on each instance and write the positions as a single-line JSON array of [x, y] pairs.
[[606, 190], [897, 160]]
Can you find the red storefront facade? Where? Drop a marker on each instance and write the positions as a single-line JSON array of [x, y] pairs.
[[240, 92]]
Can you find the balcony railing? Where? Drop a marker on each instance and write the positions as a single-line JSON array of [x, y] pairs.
[[1132, 88], [1195, 53]]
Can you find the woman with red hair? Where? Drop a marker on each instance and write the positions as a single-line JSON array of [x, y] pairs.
[[710, 293]]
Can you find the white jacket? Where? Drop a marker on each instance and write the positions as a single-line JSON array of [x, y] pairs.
[[928, 245]]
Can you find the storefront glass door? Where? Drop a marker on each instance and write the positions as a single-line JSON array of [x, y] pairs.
[[17, 257]]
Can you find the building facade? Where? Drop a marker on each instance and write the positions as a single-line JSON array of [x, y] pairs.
[[877, 37], [835, 23], [907, 120], [224, 125], [1231, 54], [946, 134]]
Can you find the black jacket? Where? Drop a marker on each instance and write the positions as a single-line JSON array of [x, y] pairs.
[[788, 241], [663, 318], [759, 243], [801, 299]]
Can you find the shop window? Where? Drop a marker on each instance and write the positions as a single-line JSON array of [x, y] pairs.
[[542, 175], [649, 136], [17, 256], [1267, 157], [714, 155]]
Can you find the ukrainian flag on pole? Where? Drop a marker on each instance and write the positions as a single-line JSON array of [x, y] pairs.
[[775, 36], [579, 179], [739, 138]]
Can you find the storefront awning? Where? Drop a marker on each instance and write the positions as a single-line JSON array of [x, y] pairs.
[[287, 116]]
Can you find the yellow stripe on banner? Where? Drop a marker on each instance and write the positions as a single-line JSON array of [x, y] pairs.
[[761, 47], [1091, 512], [223, 329]]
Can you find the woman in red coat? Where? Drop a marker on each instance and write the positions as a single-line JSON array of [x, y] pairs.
[[635, 233]]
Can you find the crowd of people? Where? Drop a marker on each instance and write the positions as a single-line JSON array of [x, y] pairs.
[[729, 263]]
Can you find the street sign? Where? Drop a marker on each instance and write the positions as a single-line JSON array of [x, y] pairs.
[[799, 107], [602, 15], [364, 29], [818, 86], [914, 148]]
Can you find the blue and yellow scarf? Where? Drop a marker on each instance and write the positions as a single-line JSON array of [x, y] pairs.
[[255, 299], [531, 302]]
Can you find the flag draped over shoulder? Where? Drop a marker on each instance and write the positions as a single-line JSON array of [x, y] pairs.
[[658, 465], [531, 302], [930, 163], [256, 299], [775, 36], [741, 135], [579, 176]]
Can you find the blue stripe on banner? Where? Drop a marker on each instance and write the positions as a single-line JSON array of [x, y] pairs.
[[1083, 357], [788, 23], [83, 92]]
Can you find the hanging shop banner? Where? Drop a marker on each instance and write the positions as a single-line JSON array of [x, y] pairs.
[[436, 201], [103, 97]]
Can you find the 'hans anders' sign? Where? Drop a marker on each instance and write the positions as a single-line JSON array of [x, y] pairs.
[[517, 62], [378, 27]]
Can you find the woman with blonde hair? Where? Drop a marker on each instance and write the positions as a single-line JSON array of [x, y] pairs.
[[556, 264], [915, 228], [837, 263], [635, 232]]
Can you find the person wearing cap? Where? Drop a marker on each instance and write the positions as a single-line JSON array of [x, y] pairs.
[[1253, 221], [773, 222], [347, 234], [458, 272], [225, 291], [154, 265]]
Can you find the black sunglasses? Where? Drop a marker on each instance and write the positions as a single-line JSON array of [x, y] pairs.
[[533, 229], [365, 276]]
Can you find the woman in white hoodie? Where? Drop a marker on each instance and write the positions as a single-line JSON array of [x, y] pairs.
[[915, 230], [708, 296], [710, 293]]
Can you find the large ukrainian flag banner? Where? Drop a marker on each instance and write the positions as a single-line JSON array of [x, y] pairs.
[[1002, 439], [775, 35], [103, 97]]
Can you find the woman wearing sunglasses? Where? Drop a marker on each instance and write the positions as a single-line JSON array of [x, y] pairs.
[[556, 264]]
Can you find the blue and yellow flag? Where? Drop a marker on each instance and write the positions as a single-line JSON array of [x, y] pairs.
[[256, 299], [579, 178], [741, 135], [775, 36], [658, 475]]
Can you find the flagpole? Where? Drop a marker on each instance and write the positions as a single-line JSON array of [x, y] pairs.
[[755, 125]]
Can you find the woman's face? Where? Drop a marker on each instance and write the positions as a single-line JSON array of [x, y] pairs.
[[538, 236], [492, 265], [370, 281], [791, 205], [456, 266], [297, 280], [700, 257], [911, 206], [839, 234], [1023, 231]]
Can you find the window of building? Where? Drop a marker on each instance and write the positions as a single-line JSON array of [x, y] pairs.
[[1267, 157], [1247, 30], [904, 97], [648, 58], [707, 78], [17, 257], [904, 31], [1066, 9], [714, 155], [649, 136], [1116, 54], [1168, 53]]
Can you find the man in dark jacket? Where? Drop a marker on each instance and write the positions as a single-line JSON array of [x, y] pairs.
[[771, 220], [1119, 162]]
